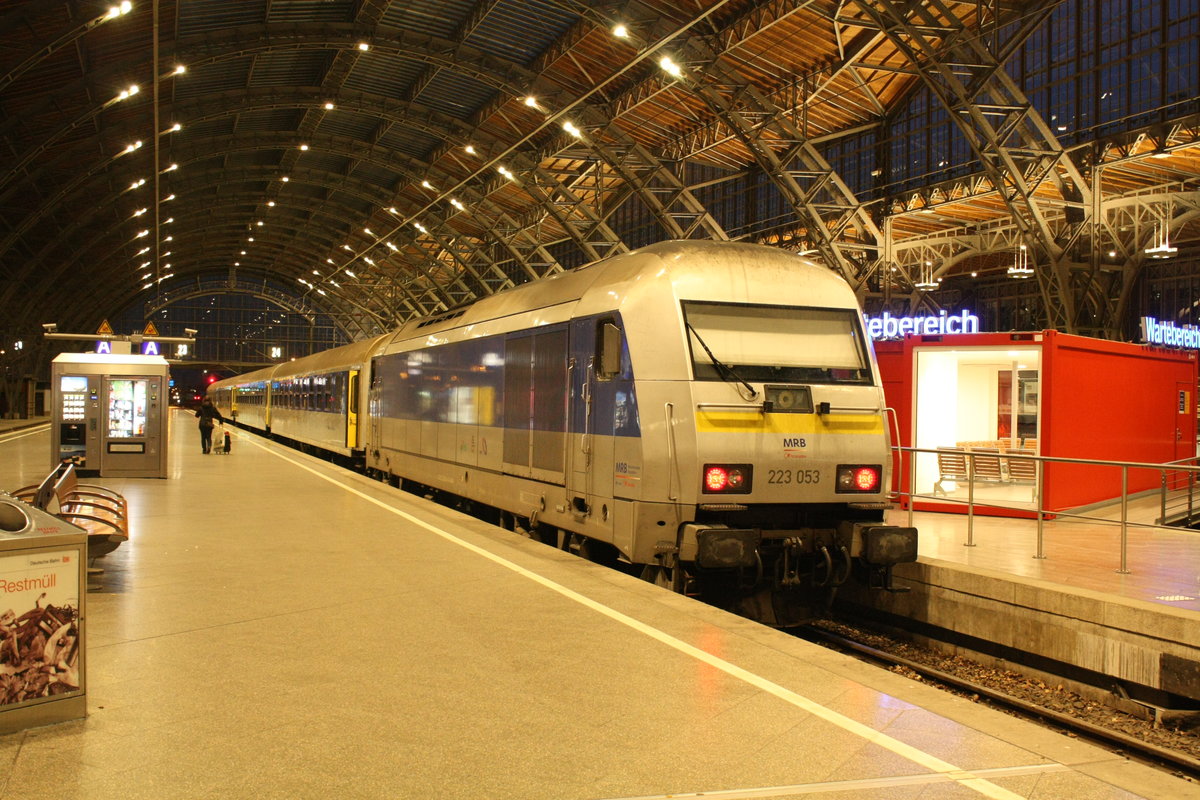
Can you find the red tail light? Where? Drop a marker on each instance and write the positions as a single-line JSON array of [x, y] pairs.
[[857, 478], [727, 478]]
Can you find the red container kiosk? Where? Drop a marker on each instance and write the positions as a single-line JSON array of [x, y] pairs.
[[1046, 393]]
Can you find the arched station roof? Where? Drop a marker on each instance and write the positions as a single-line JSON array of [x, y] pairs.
[[392, 158]]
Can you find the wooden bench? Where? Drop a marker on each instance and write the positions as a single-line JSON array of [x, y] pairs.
[[952, 466], [100, 511], [1021, 470]]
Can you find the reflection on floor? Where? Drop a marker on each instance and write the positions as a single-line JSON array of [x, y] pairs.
[[1160, 565], [1014, 495]]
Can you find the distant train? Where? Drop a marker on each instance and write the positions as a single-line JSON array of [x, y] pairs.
[[707, 415]]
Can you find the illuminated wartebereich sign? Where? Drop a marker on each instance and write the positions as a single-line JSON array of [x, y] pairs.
[[1168, 334], [888, 327]]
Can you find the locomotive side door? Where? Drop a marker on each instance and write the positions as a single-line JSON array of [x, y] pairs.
[[596, 358], [579, 440]]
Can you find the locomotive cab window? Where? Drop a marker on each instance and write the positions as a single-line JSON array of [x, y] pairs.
[[608, 349], [776, 344]]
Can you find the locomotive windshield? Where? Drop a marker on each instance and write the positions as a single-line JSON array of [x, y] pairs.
[[786, 344]]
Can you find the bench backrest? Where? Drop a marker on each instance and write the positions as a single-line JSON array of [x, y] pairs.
[[67, 482], [952, 462], [45, 490]]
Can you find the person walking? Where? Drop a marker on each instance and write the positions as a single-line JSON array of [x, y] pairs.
[[206, 414]]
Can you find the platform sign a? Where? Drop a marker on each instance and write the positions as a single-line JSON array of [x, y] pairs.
[[150, 348], [104, 345]]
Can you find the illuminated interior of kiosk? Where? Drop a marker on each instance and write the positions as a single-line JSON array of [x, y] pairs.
[[983, 401]]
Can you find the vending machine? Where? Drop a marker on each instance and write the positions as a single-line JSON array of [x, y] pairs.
[[110, 414]]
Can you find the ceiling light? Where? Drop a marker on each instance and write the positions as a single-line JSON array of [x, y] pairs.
[[503, 170], [391, 246], [128, 93], [180, 69], [368, 260], [427, 185], [351, 274], [530, 101], [140, 234], [368, 232], [621, 31], [455, 202], [169, 197], [315, 272], [139, 212], [119, 11], [303, 147], [470, 149], [259, 223], [270, 203], [347, 247], [329, 106], [364, 46], [176, 127], [285, 179], [670, 67], [420, 227], [570, 128]]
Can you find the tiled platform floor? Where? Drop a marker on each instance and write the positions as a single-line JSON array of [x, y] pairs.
[[278, 627]]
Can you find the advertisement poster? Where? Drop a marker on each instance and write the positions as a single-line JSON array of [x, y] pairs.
[[39, 626]]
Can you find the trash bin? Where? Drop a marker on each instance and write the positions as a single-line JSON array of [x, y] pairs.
[[43, 584]]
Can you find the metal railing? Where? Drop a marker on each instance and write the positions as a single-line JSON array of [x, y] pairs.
[[1177, 489], [1179, 505]]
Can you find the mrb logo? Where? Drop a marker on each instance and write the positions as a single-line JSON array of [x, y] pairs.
[[793, 443]]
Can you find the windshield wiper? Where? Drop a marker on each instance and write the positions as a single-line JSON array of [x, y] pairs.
[[726, 372]]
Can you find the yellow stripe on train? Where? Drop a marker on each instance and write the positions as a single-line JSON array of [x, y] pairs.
[[754, 422]]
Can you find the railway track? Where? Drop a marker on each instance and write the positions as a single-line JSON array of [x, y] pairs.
[[1181, 763]]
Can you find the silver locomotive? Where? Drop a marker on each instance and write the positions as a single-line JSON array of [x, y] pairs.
[[707, 415]]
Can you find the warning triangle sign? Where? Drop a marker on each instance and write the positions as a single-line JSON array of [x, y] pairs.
[[150, 330], [105, 329]]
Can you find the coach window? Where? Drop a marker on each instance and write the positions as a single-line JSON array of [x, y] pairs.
[[608, 349]]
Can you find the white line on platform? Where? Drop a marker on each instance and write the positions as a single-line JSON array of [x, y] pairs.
[[929, 761]]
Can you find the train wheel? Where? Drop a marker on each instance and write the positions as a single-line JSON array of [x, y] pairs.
[[597, 552], [672, 578]]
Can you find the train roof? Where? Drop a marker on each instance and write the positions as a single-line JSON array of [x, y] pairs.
[[348, 355], [591, 288], [596, 283]]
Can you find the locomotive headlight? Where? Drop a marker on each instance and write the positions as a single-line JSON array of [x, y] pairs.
[[788, 399], [727, 478], [858, 477]]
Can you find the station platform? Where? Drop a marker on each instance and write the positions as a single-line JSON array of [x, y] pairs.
[[279, 627]]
